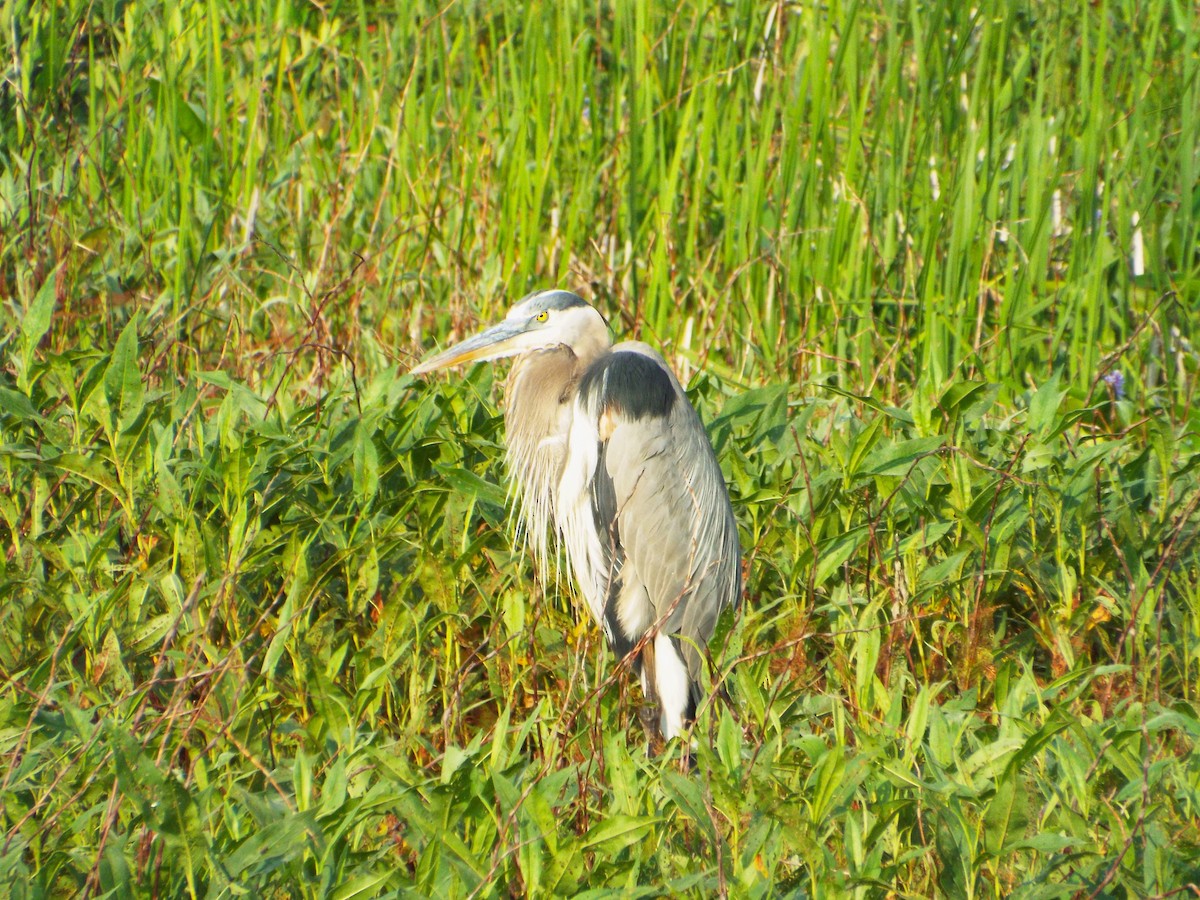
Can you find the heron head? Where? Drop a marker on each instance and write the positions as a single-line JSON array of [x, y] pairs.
[[544, 320]]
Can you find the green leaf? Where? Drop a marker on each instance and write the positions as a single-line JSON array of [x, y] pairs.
[[110, 666], [333, 790], [149, 634], [968, 400], [613, 834], [862, 444], [1043, 405], [1055, 723], [729, 741], [186, 118], [923, 539], [897, 415], [898, 459], [954, 856], [471, 485], [89, 468], [823, 783], [684, 792], [1007, 813], [363, 885], [40, 312], [1047, 843], [946, 570], [748, 405], [123, 381], [19, 406], [244, 399], [835, 551], [365, 464], [265, 848]]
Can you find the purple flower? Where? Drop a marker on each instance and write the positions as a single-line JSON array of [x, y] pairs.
[[1116, 382]]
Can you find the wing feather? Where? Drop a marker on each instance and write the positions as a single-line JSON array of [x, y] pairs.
[[665, 512]]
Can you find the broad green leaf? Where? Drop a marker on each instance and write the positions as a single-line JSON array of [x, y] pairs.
[[186, 118], [333, 789], [955, 857], [363, 885], [898, 415], [898, 459], [924, 539], [123, 380], [90, 468], [452, 759], [1007, 813], [223, 380], [1057, 722], [729, 741], [949, 568], [40, 312], [824, 782], [961, 396], [267, 847], [1182, 719], [471, 485], [918, 716], [862, 444], [110, 666], [366, 464], [1044, 404], [684, 792], [835, 551], [150, 633], [613, 834], [1048, 843], [19, 406]]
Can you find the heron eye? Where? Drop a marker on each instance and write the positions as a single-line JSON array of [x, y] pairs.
[[542, 316]]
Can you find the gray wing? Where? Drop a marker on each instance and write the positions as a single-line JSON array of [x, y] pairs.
[[661, 507]]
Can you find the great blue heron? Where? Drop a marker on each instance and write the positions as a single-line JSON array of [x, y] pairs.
[[603, 443]]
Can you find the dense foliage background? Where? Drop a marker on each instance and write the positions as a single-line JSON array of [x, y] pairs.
[[932, 270]]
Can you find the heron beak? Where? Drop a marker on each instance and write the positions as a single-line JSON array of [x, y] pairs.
[[494, 343]]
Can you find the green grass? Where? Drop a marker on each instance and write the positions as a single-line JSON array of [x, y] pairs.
[[262, 628]]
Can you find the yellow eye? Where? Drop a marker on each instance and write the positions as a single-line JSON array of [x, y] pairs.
[[542, 316]]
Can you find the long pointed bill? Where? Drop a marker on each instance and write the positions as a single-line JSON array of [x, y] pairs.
[[497, 342]]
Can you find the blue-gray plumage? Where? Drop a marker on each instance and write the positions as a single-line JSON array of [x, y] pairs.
[[604, 446]]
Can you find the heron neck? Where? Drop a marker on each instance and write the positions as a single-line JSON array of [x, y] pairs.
[[591, 346]]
